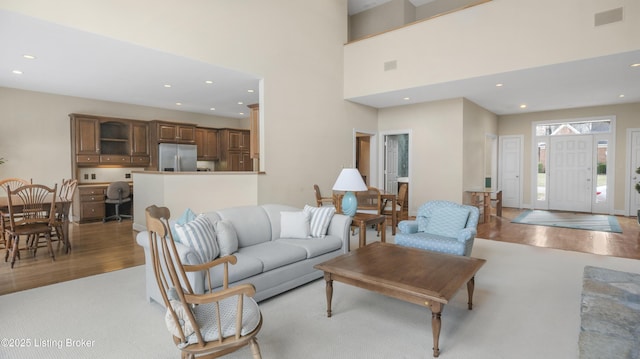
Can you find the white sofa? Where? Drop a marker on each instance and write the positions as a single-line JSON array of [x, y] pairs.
[[271, 263]]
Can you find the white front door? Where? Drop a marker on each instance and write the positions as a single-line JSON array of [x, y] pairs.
[[635, 177], [391, 164], [571, 173], [510, 170]]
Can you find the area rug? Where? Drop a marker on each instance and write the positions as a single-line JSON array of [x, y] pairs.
[[590, 222], [610, 314]]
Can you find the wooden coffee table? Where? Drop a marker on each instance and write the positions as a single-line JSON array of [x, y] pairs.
[[425, 278]]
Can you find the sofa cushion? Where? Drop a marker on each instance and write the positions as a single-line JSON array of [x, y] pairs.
[[187, 216], [251, 223], [295, 224], [315, 246], [200, 235], [227, 237], [446, 221], [247, 266], [274, 254], [320, 219], [273, 213]]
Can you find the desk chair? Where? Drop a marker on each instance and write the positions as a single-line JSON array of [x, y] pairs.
[[118, 193]]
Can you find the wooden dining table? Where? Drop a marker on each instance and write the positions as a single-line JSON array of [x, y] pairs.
[[62, 209]]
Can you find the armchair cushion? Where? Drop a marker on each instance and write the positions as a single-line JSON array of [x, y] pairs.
[[200, 235], [206, 315], [446, 221]]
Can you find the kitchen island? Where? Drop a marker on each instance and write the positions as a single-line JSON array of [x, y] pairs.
[[200, 191]]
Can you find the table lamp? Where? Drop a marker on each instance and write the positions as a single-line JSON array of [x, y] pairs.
[[349, 180]]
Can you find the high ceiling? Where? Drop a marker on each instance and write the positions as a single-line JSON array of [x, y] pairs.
[[75, 63]]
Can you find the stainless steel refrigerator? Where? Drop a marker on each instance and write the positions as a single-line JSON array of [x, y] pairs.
[[177, 158]]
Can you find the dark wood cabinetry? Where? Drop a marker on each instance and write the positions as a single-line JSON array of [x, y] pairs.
[[110, 141], [88, 204], [207, 142], [234, 154], [168, 132]]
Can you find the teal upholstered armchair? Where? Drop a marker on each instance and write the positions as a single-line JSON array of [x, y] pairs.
[[441, 226]]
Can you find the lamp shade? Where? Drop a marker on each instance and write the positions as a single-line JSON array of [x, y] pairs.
[[350, 179]]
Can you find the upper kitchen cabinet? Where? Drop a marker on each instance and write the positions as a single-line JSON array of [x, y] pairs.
[[140, 143], [97, 140], [168, 132], [207, 143]]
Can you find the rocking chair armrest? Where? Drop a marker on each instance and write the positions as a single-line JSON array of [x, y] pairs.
[[247, 289], [205, 266]]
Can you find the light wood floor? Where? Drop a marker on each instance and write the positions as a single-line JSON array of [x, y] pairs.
[[100, 248]]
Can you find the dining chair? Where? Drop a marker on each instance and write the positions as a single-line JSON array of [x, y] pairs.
[[65, 196], [31, 214], [13, 183], [320, 201], [401, 213], [211, 324], [118, 194], [370, 202]]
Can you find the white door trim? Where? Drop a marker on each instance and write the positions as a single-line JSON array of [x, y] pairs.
[[520, 166], [629, 186]]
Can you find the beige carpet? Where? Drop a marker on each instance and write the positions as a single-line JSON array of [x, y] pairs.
[[526, 305]]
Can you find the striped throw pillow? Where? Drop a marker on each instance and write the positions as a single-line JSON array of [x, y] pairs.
[[200, 235], [320, 219]]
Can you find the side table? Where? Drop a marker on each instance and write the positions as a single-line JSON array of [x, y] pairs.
[[363, 220]]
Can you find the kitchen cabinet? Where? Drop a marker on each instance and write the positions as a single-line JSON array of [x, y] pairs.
[[140, 155], [85, 133], [207, 142], [97, 140], [88, 204], [168, 132], [234, 154]]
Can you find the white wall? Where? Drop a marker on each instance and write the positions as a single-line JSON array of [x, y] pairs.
[[308, 133], [496, 37], [436, 153], [627, 116], [35, 136]]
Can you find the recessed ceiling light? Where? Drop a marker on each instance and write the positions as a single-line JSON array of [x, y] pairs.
[[241, 113], [178, 103], [212, 109], [240, 103], [209, 82], [635, 65], [523, 106], [250, 91], [499, 85], [17, 72], [621, 95], [29, 57], [407, 98], [167, 86]]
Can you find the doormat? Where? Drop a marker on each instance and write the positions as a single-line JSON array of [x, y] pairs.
[[586, 221], [609, 314]]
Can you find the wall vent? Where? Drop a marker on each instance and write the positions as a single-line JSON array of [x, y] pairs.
[[608, 17], [390, 65]]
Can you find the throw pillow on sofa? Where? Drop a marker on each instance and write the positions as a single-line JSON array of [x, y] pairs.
[[320, 219], [295, 224], [200, 235], [187, 216], [227, 237]]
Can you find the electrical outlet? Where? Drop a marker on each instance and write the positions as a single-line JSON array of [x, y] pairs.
[[93, 176], [86, 176]]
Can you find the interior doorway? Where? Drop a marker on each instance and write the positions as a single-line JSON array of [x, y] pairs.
[[365, 157], [396, 161]]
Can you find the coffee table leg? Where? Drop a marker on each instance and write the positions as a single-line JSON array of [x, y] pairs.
[[436, 323], [327, 278], [471, 284]]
